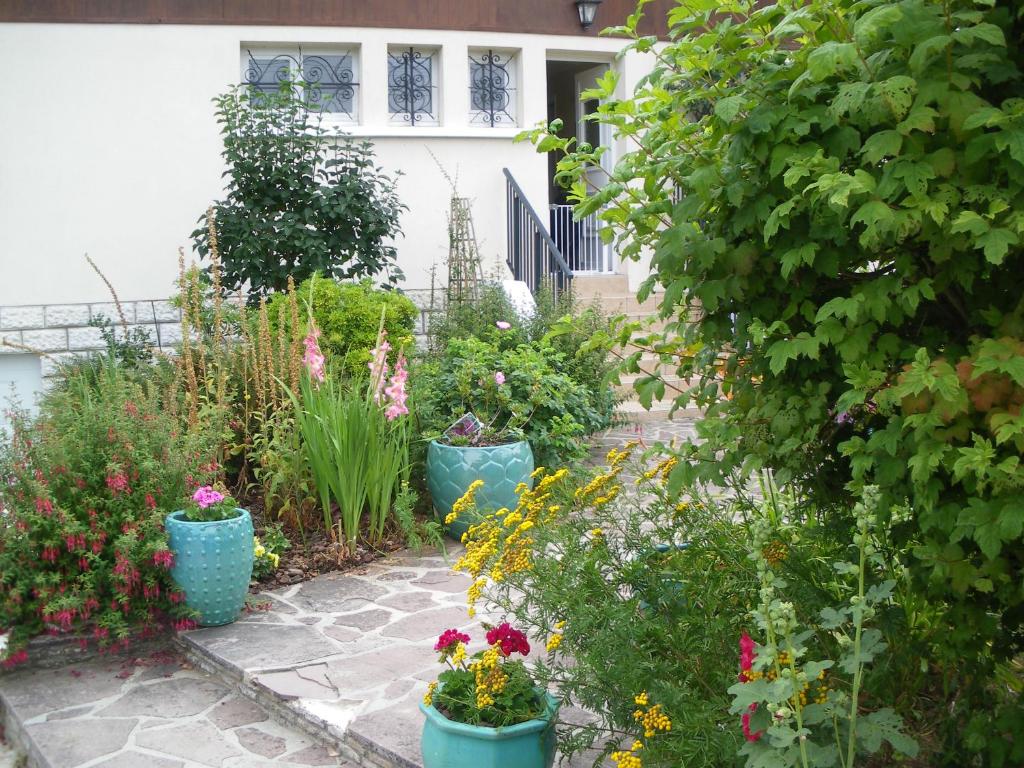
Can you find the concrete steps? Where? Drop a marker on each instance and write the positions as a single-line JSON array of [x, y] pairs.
[[612, 294]]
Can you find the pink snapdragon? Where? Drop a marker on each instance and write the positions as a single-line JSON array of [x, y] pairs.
[[499, 378], [207, 497], [314, 358], [378, 366], [396, 391]]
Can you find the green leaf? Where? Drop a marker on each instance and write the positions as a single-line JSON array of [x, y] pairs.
[[996, 243], [728, 108], [796, 257], [831, 58], [919, 119], [882, 144], [924, 52], [885, 725]]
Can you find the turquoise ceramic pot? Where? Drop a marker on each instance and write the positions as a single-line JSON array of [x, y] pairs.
[[447, 744], [212, 564], [451, 470]]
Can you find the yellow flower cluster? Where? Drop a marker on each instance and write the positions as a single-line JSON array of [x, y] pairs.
[[258, 551], [554, 642], [629, 758], [490, 680], [660, 470], [501, 545], [459, 656], [465, 502], [428, 697], [652, 718]]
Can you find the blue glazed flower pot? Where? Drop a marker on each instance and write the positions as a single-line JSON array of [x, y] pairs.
[[447, 744], [212, 564], [451, 469]]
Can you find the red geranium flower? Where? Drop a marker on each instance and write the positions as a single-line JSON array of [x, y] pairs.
[[508, 640], [449, 638]]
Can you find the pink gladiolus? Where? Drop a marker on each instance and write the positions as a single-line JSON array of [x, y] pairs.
[[396, 391], [378, 366], [502, 325], [499, 378], [313, 359]]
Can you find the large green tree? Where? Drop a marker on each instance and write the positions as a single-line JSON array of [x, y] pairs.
[[836, 190]]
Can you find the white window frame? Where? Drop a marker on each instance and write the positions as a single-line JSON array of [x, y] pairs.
[[296, 55], [415, 118], [506, 63]]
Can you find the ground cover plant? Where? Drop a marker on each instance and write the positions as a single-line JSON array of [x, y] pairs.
[[832, 192]]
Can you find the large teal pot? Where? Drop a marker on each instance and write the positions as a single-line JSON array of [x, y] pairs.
[[212, 564], [447, 744], [452, 469]]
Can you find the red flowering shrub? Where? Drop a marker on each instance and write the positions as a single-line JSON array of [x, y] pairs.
[[84, 489]]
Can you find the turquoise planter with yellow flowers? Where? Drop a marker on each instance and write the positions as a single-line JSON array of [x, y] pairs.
[[448, 744]]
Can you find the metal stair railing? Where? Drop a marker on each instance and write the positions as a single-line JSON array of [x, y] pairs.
[[533, 256]]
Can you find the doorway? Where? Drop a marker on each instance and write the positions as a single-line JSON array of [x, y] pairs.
[[579, 241]]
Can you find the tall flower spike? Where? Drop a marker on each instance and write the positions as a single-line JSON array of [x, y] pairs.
[[378, 366], [396, 391], [313, 359]]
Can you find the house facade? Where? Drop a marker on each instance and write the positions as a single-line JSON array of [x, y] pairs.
[[110, 145]]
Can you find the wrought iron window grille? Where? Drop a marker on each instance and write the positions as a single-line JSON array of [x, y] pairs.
[[411, 86], [327, 81], [491, 89]]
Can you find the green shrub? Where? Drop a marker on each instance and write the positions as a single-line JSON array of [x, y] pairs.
[[574, 325], [845, 207], [348, 316], [299, 201], [627, 627], [85, 489], [554, 412]]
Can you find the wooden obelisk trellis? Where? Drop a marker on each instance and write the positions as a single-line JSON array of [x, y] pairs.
[[464, 269]]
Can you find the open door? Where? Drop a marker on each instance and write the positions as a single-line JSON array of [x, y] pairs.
[[593, 256]]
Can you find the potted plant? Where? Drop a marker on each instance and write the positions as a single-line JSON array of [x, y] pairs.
[[474, 458], [212, 542], [486, 710]]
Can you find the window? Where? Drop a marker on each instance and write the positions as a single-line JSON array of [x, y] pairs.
[[327, 78], [492, 88], [412, 93]]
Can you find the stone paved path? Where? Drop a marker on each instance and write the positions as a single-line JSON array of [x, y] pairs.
[[330, 673], [156, 711]]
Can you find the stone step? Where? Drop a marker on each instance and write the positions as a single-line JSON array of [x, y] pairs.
[[585, 287]]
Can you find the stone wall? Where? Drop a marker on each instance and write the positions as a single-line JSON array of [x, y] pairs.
[[62, 331]]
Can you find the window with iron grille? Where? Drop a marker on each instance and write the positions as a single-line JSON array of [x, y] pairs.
[[412, 86], [326, 77], [492, 88]]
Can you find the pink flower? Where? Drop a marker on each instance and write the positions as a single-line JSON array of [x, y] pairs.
[[378, 366], [163, 558], [502, 325], [746, 656], [745, 722], [118, 483], [206, 497], [313, 359], [499, 378], [449, 638], [396, 391]]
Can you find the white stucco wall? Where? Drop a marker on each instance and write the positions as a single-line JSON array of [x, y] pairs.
[[108, 145]]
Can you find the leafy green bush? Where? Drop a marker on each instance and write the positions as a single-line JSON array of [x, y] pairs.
[[348, 316], [553, 411], [560, 322], [844, 206], [85, 490], [299, 201]]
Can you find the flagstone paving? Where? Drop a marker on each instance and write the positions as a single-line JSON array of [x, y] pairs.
[[326, 672]]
